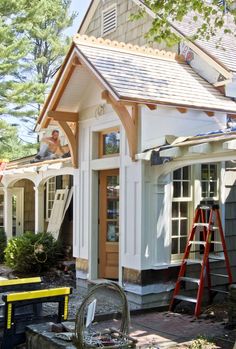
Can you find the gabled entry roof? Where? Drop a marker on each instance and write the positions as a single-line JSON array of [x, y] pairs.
[[147, 75]]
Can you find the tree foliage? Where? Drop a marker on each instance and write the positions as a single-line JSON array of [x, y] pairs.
[[32, 45], [210, 16], [11, 147]]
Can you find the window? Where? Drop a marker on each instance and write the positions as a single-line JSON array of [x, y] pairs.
[[183, 207], [51, 190], [109, 20], [109, 142], [180, 210], [209, 181]]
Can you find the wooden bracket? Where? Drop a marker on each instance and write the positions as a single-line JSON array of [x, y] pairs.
[[210, 113], [151, 106], [129, 121], [63, 116], [72, 138], [182, 110]]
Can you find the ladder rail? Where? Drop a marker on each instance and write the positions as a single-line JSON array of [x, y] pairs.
[[204, 267], [203, 214], [186, 255], [224, 247]]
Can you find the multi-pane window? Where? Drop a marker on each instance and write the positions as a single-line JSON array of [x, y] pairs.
[[51, 190], [209, 180], [180, 210], [182, 202]]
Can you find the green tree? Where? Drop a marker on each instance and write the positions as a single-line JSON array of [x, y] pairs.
[[11, 147], [209, 16], [32, 46]]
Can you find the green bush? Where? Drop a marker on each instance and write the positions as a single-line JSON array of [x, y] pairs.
[[3, 244], [32, 252]]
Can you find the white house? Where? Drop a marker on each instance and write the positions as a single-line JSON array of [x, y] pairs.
[[123, 109]]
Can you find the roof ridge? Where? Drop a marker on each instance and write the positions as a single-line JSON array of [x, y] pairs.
[[143, 50]]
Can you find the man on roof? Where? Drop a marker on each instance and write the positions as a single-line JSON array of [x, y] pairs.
[[50, 148]]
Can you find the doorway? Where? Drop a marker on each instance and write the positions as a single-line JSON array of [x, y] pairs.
[[109, 224]]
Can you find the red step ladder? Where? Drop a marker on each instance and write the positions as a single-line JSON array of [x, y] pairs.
[[207, 216]]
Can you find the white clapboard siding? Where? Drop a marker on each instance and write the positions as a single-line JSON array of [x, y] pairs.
[[57, 213]]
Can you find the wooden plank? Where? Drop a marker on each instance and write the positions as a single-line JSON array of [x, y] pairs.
[[174, 152], [210, 113], [129, 121], [63, 116], [202, 148], [72, 140], [229, 145], [182, 110]]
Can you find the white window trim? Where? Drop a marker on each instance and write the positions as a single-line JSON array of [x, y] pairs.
[[114, 6], [47, 197]]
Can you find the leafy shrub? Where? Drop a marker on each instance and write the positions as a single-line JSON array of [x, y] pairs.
[[32, 252], [3, 244]]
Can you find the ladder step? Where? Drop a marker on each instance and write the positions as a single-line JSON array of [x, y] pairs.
[[185, 298], [206, 225], [201, 225], [193, 261], [216, 242], [216, 258], [193, 242], [219, 275], [218, 290], [188, 279]]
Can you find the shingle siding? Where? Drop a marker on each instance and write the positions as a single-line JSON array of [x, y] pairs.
[[127, 31], [230, 214]]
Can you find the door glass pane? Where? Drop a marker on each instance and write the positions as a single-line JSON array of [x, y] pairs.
[[112, 207], [113, 187], [112, 232]]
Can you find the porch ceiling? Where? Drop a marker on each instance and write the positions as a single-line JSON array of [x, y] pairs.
[[74, 91]]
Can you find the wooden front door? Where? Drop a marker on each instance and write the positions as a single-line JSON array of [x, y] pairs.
[[109, 224]]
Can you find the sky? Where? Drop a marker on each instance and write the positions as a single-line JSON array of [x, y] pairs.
[[79, 6]]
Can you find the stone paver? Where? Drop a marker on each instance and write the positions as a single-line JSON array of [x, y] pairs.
[[152, 330]]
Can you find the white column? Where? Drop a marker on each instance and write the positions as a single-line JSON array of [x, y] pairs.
[[8, 212], [39, 209]]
